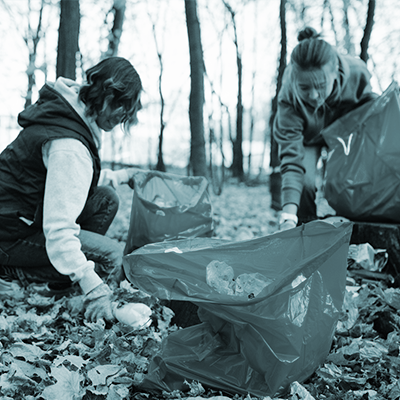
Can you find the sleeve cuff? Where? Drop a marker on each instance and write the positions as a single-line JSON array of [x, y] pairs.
[[89, 281], [290, 196]]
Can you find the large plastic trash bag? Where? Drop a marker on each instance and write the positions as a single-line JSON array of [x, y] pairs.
[[166, 207], [363, 167], [247, 345]]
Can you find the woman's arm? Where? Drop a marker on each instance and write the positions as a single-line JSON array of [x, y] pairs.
[[69, 175], [288, 133]]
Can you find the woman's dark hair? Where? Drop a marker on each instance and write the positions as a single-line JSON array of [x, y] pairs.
[[112, 82], [312, 52]]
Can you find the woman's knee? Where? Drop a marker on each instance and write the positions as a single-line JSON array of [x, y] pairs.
[[108, 194], [100, 210]]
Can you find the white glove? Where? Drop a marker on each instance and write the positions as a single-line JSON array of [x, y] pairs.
[[287, 221], [113, 178], [286, 225]]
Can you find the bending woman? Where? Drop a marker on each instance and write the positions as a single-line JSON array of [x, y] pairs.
[[319, 86], [54, 209]]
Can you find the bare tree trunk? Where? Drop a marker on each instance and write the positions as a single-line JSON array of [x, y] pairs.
[[275, 178], [160, 166], [32, 39], [367, 30], [118, 10], [253, 81], [160, 160], [196, 99], [68, 39], [329, 5], [237, 162], [324, 8], [348, 45]]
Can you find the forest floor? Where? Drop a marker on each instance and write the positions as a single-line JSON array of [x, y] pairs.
[[48, 351]]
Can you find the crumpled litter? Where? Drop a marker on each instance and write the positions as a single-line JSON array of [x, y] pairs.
[[221, 277], [136, 315], [366, 257]]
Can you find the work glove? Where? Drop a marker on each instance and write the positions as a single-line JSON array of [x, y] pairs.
[[113, 178], [287, 221], [286, 225], [98, 304]]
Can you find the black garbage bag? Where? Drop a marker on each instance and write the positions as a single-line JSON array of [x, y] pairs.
[[166, 207], [247, 344], [363, 167]]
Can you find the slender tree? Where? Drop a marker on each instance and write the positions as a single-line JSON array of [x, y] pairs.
[[196, 99], [348, 44], [332, 20], [275, 178], [237, 162], [253, 86], [367, 30], [118, 10], [68, 39], [31, 39], [160, 159]]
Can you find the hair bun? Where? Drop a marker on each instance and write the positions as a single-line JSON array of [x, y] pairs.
[[307, 33]]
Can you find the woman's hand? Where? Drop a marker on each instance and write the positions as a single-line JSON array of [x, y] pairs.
[[98, 304], [113, 178], [288, 224], [287, 219]]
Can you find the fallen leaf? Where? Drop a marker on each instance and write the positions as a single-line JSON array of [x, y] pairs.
[[28, 352], [98, 375], [68, 386], [74, 360]]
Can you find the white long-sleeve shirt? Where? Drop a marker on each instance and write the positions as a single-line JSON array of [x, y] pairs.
[[69, 175]]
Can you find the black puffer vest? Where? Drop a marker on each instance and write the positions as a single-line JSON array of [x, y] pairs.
[[22, 172]]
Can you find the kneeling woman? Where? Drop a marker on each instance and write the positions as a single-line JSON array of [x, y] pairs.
[[54, 209]]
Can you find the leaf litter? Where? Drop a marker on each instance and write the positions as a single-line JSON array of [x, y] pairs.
[[48, 351]]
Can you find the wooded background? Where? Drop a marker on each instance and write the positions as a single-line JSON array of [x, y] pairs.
[[211, 69]]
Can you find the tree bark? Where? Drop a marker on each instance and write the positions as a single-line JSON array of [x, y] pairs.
[[253, 86], [68, 39], [196, 99], [237, 162], [367, 30], [275, 178], [160, 159], [32, 39]]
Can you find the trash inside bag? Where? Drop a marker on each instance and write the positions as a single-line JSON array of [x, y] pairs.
[[255, 344], [363, 167], [166, 207], [366, 257], [220, 276]]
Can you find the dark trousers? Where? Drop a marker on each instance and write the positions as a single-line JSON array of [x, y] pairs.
[[26, 259]]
